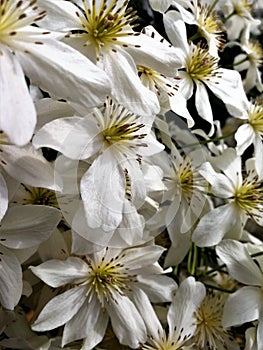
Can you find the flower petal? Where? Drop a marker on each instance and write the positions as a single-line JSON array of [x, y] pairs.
[[17, 111], [10, 279]]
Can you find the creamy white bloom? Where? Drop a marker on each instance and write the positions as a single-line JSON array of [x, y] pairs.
[[103, 31], [117, 140], [245, 304], [22, 227], [238, 14], [251, 133], [209, 26], [201, 71], [27, 49], [102, 286], [250, 60], [242, 193], [181, 318]]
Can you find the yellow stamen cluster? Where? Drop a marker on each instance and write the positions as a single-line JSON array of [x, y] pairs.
[[256, 116], [249, 197], [16, 14], [210, 23], [209, 331], [156, 81], [106, 278], [256, 54], [174, 342], [200, 65], [120, 127], [38, 196], [241, 7], [104, 25]]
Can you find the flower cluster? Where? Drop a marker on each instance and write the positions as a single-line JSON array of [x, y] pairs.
[[131, 182]]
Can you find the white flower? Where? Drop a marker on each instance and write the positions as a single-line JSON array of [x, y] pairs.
[[243, 196], [238, 14], [250, 60], [200, 70], [207, 21], [104, 32], [100, 286], [251, 132], [22, 227], [245, 304], [54, 66], [118, 139], [181, 317]]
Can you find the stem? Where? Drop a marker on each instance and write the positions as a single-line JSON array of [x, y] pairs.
[[192, 260], [211, 140], [229, 16], [195, 36], [212, 6]]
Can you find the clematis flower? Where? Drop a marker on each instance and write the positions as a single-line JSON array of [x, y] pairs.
[[251, 133], [102, 286], [117, 140], [245, 304], [200, 70], [181, 318], [28, 50], [22, 227], [103, 31], [242, 193]]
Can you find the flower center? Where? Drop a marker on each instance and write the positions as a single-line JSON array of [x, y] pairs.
[[105, 24], [156, 81], [16, 14], [36, 195], [256, 116], [209, 329], [249, 197], [256, 54], [200, 65], [241, 7], [120, 127], [209, 23], [175, 342], [107, 277]]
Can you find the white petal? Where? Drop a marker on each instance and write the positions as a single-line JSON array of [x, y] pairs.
[[75, 137], [160, 6], [159, 289], [128, 88], [242, 306], [27, 226], [90, 323], [140, 257], [154, 54], [17, 111], [221, 186], [102, 190], [186, 301], [244, 137], [28, 166], [239, 263], [64, 72], [259, 156], [60, 309], [203, 105], [176, 30], [57, 273], [10, 279], [153, 325], [126, 322], [3, 196], [215, 224]]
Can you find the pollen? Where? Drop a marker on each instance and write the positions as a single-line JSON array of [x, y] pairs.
[[242, 7], [256, 52], [200, 65], [104, 23], [38, 196]]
